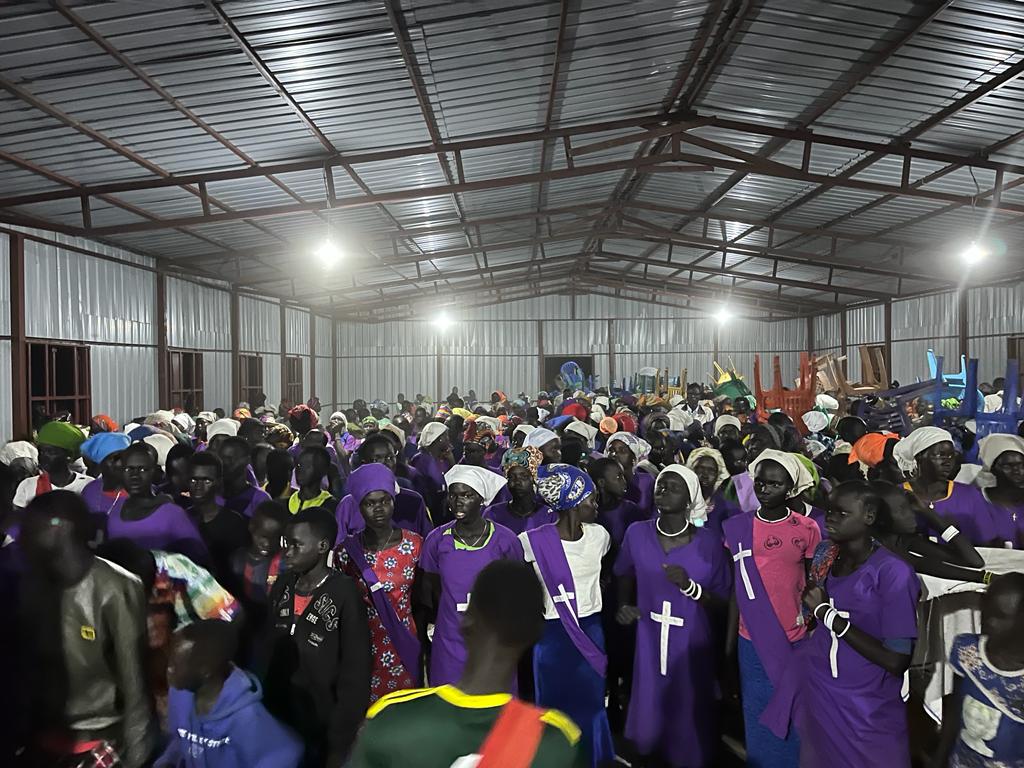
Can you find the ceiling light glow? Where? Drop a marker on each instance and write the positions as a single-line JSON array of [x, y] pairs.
[[442, 322], [328, 254], [973, 254], [722, 315]]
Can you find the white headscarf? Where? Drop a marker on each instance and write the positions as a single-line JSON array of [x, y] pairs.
[[584, 430], [827, 402], [162, 444], [523, 429], [19, 449], [675, 400], [208, 416], [597, 412], [698, 510], [993, 446], [491, 422], [921, 439], [540, 437], [222, 427], [339, 416], [637, 445], [709, 453], [726, 420], [815, 421], [603, 402], [798, 473], [679, 421], [542, 414], [483, 481], [184, 421], [431, 432]]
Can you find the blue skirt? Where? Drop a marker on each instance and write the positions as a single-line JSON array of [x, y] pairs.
[[565, 681], [764, 748]]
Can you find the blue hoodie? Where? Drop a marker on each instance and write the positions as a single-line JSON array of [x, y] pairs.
[[237, 733]]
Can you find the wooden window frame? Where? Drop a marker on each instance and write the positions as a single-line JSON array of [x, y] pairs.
[[79, 401], [248, 389], [293, 385], [186, 392]]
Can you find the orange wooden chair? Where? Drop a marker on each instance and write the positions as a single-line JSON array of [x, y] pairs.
[[794, 402]]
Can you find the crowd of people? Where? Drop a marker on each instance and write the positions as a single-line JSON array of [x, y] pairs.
[[575, 579]]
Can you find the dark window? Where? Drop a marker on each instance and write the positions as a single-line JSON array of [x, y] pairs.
[[59, 380], [293, 380], [1015, 351], [251, 376], [185, 370]]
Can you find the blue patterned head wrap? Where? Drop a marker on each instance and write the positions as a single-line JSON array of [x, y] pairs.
[[563, 486]]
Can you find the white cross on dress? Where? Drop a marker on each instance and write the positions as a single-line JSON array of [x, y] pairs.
[[565, 597], [741, 558], [667, 621], [833, 653], [461, 607]]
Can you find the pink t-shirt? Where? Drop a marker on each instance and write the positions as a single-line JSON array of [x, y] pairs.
[[780, 550]]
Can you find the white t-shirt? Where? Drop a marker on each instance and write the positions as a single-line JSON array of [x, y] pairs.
[[584, 556], [27, 488]]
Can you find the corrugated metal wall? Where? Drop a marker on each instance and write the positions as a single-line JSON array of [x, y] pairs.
[[994, 313], [323, 387], [6, 415], [6, 426], [259, 327], [828, 333], [123, 381], [198, 317], [217, 380], [920, 324]]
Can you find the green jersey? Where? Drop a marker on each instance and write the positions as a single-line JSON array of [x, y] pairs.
[[444, 728]]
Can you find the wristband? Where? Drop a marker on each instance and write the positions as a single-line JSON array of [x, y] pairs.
[[950, 533], [986, 577], [845, 629], [830, 616], [814, 613]]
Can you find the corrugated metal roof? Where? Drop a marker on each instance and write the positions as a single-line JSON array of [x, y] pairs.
[[549, 113]]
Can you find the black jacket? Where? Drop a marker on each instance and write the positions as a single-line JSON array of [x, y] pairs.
[[318, 664]]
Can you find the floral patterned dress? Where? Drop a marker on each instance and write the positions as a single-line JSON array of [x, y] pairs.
[[395, 568]]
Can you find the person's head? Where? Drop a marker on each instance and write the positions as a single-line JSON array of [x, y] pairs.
[[622, 453], [1002, 609], [772, 484], [609, 478], [235, 454], [52, 459], [419, 417], [139, 463], [266, 527], [1008, 469], [308, 539], [998, 384], [377, 449], [56, 526], [852, 510], [761, 439], [693, 394], [312, 466], [938, 461], [735, 456], [315, 438], [280, 464], [548, 443], [707, 471], [520, 481], [112, 469], [851, 429], [201, 652], [176, 466], [507, 610], [204, 477], [464, 502], [671, 494], [473, 454], [895, 509], [726, 429], [662, 449], [573, 448], [569, 491], [741, 406], [253, 431]]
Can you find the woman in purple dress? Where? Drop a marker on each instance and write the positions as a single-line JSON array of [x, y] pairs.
[[927, 455], [1003, 457], [523, 510], [152, 521], [670, 572], [452, 556], [844, 685], [629, 450], [431, 461], [709, 466], [103, 450]]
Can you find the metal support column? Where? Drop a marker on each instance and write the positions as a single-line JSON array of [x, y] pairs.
[[20, 393]]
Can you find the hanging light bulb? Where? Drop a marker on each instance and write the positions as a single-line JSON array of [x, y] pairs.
[[722, 315], [327, 253], [973, 253], [442, 322]]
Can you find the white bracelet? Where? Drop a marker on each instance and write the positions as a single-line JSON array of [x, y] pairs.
[[691, 589], [814, 613], [950, 533], [830, 616], [845, 629], [699, 593]]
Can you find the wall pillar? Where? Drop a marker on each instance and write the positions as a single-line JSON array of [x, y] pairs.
[[21, 416], [163, 385]]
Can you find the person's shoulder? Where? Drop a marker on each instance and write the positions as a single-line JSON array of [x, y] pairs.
[[805, 521], [436, 536], [596, 532], [892, 570], [110, 573], [501, 533], [965, 652], [560, 724], [637, 528], [390, 703]]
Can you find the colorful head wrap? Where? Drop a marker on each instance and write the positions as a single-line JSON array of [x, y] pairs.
[[796, 469], [563, 486], [608, 426], [921, 439], [480, 479], [528, 457], [431, 432], [102, 423], [709, 453], [278, 433], [368, 478], [476, 431], [576, 411], [698, 509], [640, 448], [626, 421], [61, 435], [369, 422], [18, 449], [302, 418], [870, 449], [102, 444], [241, 414], [462, 412]]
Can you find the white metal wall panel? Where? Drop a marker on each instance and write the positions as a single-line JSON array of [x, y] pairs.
[[272, 378], [910, 358], [482, 340], [259, 327], [996, 310], [308, 390], [384, 375], [510, 373], [991, 354], [362, 339], [925, 317], [5, 286], [573, 337], [323, 336], [6, 394], [88, 245], [537, 308], [70, 296], [198, 317], [296, 327], [217, 380], [827, 332], [324, 382], [123, 381], [865, 325], [658, 337]]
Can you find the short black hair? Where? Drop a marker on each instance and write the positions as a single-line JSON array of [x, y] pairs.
[[65, 505], [275, 510], [862, 489], [238, 442], [598, 467], [509, 601], [322, 457], [215, 641], [206, 459], [251, 426], [320, 520], [363, 451], [179, 451], [141, 447]]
